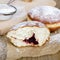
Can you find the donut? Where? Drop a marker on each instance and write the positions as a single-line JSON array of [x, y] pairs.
[[48, 15], [29, 33]]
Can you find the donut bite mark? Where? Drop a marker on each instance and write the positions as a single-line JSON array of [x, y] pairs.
[[31, 40], [48, 15], [29, 35]]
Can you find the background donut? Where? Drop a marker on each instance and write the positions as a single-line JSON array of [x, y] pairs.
[[48, 15]]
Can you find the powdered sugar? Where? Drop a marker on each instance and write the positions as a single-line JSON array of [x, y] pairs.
[[29, 23], [47, 13]]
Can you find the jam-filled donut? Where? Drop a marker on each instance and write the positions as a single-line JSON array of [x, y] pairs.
[[30, 33], [47, 15]]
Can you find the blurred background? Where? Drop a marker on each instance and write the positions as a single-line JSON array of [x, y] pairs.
[[57, 3]]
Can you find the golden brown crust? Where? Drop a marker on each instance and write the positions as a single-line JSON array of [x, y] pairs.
[[54, 26]]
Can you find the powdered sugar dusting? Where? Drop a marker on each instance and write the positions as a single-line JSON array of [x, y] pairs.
[[28, 23], [47, 13], [55, 38]]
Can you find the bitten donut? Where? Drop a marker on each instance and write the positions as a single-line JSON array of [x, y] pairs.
[[48, 15], [30, 33]]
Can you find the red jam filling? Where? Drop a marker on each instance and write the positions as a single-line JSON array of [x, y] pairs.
[[31, 40]]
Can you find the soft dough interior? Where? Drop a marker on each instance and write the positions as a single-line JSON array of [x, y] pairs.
[[29, 36]]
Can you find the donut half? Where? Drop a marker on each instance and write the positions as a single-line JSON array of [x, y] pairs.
[[28, 34]]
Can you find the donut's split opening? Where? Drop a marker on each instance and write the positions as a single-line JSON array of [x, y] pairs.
[[29, 36], [27, 0], [31, 40]]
